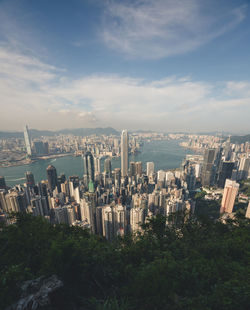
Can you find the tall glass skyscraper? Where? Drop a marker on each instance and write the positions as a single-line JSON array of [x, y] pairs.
[[30, 180], [207, 169], [124, 153], [2, 183], [107, 167], [88, 165], [52, 177], [27, 140]]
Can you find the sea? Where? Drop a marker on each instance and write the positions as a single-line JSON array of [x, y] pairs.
[[166, 155]]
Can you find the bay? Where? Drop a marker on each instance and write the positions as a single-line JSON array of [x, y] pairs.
[[166, 154]]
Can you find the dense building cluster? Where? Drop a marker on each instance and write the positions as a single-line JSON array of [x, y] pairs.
[[16, 151], [98, 145], [116, 201], [226, 161]]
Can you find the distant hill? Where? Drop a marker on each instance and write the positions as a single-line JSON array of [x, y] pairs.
[[78, 132], [240, 139], [6, 134], [90, 131]]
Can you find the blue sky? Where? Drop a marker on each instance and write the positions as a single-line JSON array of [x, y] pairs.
[[169, 65]]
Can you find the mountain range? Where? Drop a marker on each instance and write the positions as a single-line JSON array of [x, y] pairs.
[[34, 133]]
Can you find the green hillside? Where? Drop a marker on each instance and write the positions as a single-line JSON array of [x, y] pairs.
[[198, 265], [240, 139]]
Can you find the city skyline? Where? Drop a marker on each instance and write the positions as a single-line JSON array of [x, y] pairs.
[[101, 203], [158, 65], [113, 202]]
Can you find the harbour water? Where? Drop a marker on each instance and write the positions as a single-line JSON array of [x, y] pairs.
[[166, 154]]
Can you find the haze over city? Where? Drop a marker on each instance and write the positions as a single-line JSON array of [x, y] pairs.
[[158, 65]]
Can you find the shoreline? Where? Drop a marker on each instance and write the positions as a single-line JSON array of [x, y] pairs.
[[75, 167], [194, 149], [31, 161]]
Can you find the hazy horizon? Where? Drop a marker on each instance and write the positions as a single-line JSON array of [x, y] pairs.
[[137, 130], [160, 65]]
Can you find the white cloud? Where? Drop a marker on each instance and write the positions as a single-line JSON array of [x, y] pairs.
[[161, 28], [43, 96], [238, 88]]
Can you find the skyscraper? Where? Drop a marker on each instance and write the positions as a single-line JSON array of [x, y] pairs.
[[117, 176], [88, 165], [243, 168], [39, 147], [16, 202], [97, 165], [30, 178], [227, 149], [107, 167], [138, 167], [132, 168], [230, 192], [119, 220], [124, 153], [225, 172], [27, 140], [107, 222], [137, 218], [207, 168], [2, 183], [150, 168], [52, 177]]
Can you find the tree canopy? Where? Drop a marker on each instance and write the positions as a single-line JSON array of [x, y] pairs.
[[191, 265]]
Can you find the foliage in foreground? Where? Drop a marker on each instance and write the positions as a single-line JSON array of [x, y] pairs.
[[200, 265], [245, 187]]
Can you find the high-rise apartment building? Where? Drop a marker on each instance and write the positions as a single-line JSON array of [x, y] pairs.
[[16, 202], [41, 147], [27, 140], [38, 147], [132, 169], [117, 176], [137, 218], [230, 192], [138, 167], [248, 211], [36, 205], [97, 165], [46, 147], [116, 143], [3, 204], [124, 153], [150, 168], [161, 175], [107, 222], [120, 220]]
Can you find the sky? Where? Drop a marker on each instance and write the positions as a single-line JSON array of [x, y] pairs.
[[164, 65]]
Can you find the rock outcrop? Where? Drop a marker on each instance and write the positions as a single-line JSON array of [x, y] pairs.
[[37, 294]]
